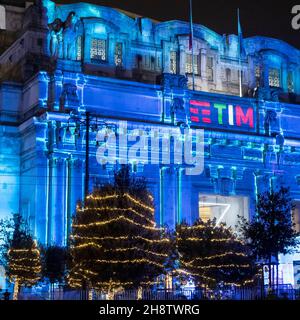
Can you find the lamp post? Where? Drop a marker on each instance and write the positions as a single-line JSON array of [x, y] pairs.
[[90, 122]]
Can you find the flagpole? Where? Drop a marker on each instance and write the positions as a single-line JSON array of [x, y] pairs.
[[192, 36], [240, 58]]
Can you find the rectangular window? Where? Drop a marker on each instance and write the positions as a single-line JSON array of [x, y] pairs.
[[242, 76], [228, 75], [189, 64], [225, 209], [158, 63], [274, 78], [173, 62], [119, 54], [291, 82], [98, 50], [79, 48], [147, 62], [152, 60], [210, 68]]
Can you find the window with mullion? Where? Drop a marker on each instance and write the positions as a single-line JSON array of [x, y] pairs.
[[274, 77], [291, 88], [189, 64], [119, 54], [99, 50], [173, 62], [210, 68]]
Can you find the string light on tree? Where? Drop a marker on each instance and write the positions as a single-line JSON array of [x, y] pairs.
[[115, 242], [212, 255], [23, 258]]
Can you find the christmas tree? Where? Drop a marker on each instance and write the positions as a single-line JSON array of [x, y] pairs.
[[23, 264], [115, 242], [212, 255], [272, 231]]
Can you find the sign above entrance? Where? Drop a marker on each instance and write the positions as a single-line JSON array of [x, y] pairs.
[[238, 117]]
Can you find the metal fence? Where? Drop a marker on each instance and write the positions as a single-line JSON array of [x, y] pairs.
[[232, 293]]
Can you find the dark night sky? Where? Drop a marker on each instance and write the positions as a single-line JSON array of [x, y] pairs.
[[258, 17]]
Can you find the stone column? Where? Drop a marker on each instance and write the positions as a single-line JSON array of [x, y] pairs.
[[265, 74], [59, 202], [75, 186], [203, 63], [56, 201], [168, 197], [284, 77], [41, 197], [181, 59], [87, 47], [50, 192], [182, 196], [185, 204], [296, 79]]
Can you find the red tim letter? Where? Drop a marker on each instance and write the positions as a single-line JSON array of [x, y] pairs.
[[241, 118]]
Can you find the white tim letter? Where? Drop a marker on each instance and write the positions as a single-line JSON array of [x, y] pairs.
[[107, 152], [194, 157], [296, 18]]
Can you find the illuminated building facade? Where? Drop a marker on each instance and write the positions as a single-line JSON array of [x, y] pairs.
[[121, 67]]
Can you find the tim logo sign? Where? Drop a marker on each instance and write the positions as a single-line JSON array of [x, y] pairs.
[[228, 116]]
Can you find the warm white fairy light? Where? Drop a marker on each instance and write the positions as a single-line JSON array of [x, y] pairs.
[[116, 209], [163, 240], [215, 266], [128, 196], [194, 239], [138, 261], [95, 245], [218, 256], [101, 223], [119, 208]]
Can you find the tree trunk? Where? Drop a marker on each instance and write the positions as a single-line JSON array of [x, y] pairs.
[[16, 289]]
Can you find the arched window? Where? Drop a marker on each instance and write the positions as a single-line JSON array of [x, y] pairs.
[[274, 77], [291, 88], [173, 62], [2, 18]]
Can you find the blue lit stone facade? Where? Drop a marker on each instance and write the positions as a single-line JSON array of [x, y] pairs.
[[121, 67]]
